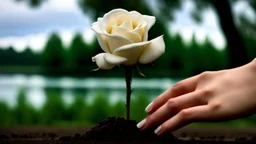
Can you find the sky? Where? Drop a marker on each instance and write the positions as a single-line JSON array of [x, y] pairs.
[[22, 26]]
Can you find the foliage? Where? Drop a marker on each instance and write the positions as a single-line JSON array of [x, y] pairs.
[[24, 113], [138, 105], [82, 113], [53, 56], [118, 109], [54, 108], [78, 52], [100, 109], [7, 115], [180, 59], [78, 109], [26, 58]]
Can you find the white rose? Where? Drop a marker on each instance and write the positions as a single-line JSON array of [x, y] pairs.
[[123, 36]]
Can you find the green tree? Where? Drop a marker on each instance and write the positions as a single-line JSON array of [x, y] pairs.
[[100, 108], [118, 109], [138, 105], [247, 27], [28, 57], [53, 55], [78, 110], [8, 56], [250, 44], [24, 113], [176, 55], [213, 59], [54, 109], [236, 48], [6, 119], [79, 53]]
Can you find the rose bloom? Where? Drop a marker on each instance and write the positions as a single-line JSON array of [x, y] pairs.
[[123, 36]]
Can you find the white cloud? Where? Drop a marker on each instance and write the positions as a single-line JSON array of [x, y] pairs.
[[200, 36], [37, 41], [217, 40], [88, 35], [66, 36], [210, 20], [11, 8], [18, 19], [188, 5], [209, 27], [34, 25], [60, 6], [243, 7], [19, 44]]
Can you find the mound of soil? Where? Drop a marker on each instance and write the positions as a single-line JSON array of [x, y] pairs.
[[115, 131], [121, 130]]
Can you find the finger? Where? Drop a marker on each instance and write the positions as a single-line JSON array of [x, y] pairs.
[[184, 117], [182, 87], [174, 106]]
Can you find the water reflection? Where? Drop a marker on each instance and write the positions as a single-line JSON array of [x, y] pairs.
[[36, 87]]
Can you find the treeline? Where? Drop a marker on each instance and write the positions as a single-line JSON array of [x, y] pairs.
[[179, 60], [80, 112]]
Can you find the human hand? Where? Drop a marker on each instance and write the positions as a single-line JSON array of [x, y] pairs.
[[210, 96]]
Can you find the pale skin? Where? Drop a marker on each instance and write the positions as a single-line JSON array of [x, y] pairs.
[[210, 96]]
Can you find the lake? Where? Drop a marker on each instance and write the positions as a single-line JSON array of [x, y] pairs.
[[35, 87]]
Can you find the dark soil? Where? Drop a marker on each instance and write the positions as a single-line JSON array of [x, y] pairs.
[[120, 131]]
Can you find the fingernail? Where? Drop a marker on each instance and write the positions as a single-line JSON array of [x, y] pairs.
[[141, 124], [149, 107], [157, 130]]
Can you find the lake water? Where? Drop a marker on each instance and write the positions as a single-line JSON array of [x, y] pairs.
[[36, 85]]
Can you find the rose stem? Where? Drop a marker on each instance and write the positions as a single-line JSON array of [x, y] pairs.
[[128, 80]]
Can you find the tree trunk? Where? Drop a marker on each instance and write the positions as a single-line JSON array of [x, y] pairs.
[[236, 49]]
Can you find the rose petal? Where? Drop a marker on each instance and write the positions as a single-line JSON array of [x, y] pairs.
[[131, 19], [101, 62], [101, 39], [127, 25], [135, 13], [115, 42], [132, 52], [99, 19], [132, 36], [114, 59], [107, 61], [140, 31], [109, 18], [150, 22], [112, 41], [152, 51]]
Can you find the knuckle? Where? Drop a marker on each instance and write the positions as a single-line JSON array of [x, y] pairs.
[[185, 114], [204, 75], [215, 106], [171, 104], [178, 86], [203, 96], [206, 92]]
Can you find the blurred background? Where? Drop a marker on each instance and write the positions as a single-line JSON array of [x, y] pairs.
[[46, 48]]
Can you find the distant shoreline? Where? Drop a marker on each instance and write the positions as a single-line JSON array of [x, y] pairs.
[[80, 72]]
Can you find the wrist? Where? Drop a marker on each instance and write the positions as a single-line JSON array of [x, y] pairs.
[[253, 65]]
